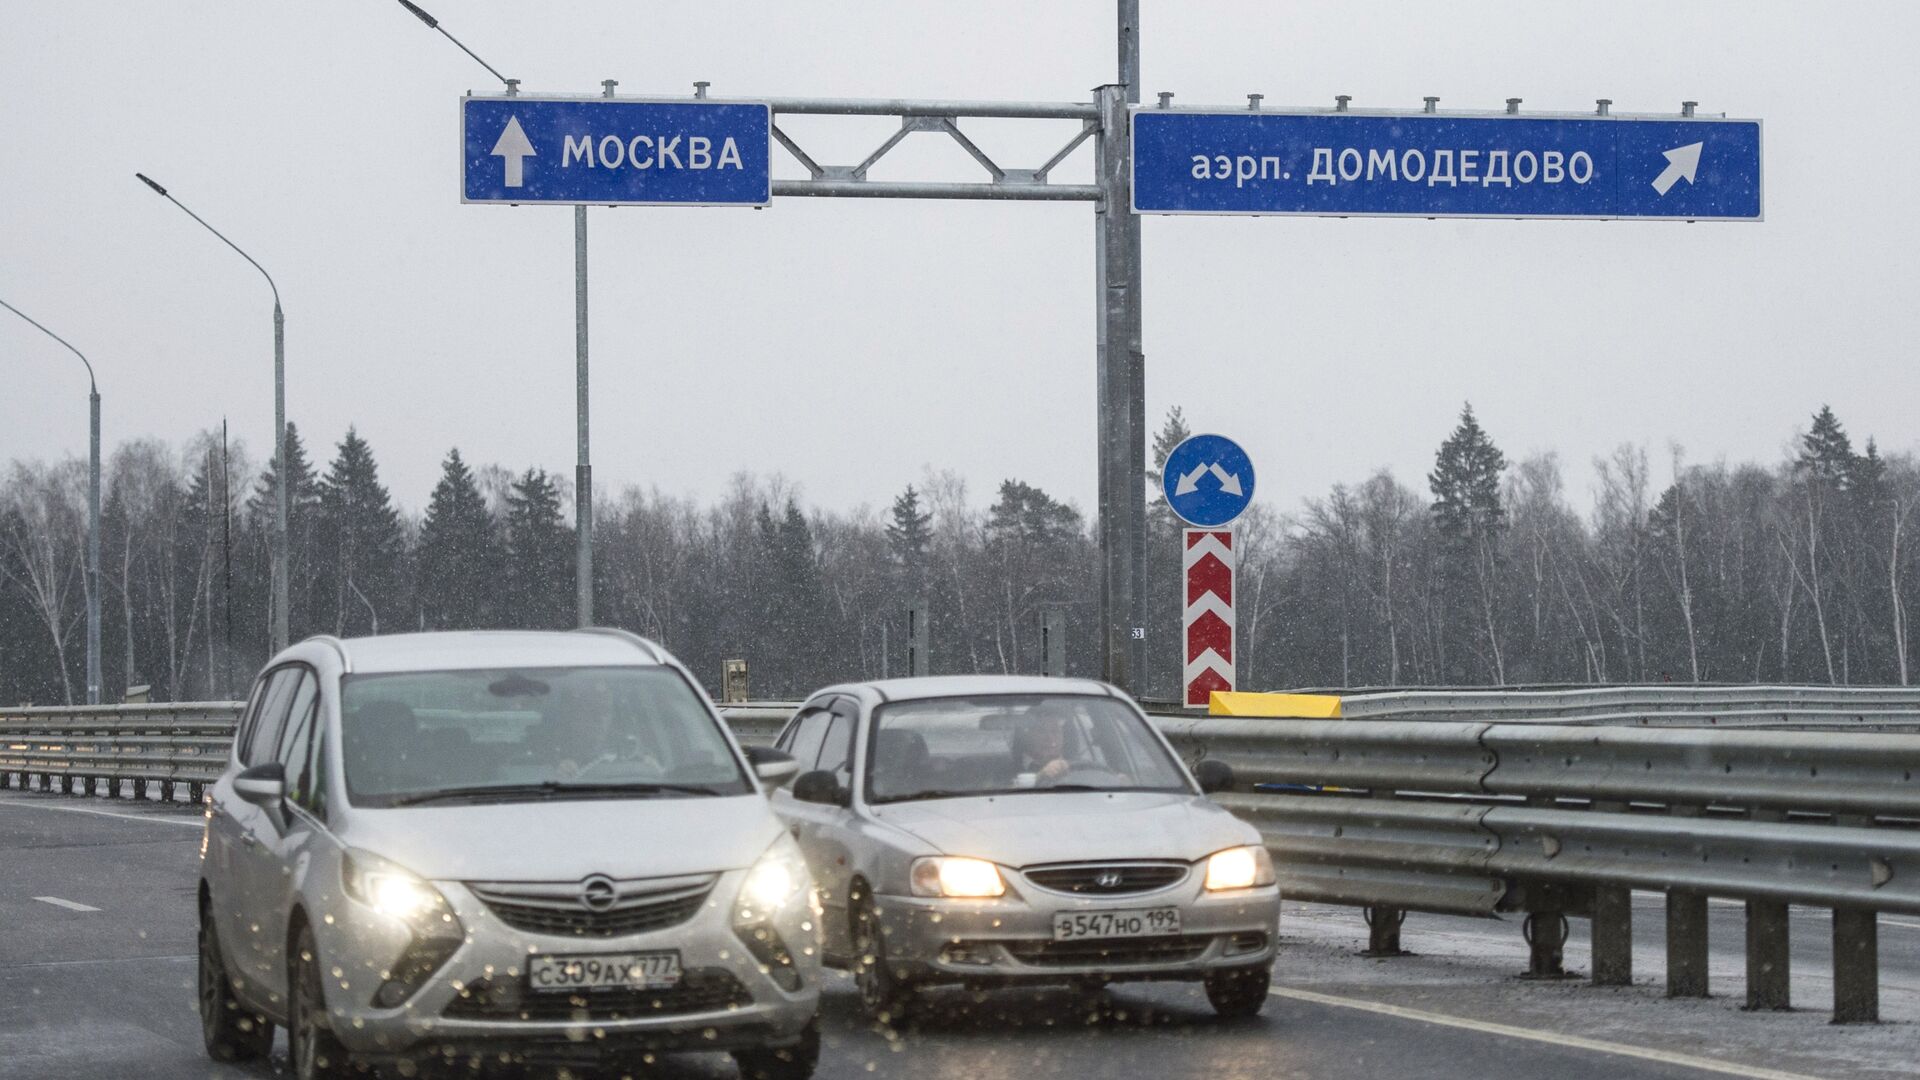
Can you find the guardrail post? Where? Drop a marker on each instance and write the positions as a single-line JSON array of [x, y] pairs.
[[1686, 944], [1612, 936], [1383, 932], [1546, 934], [1856, 966], [1769, 963]]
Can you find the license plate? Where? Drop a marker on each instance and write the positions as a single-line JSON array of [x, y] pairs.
[[1144, 922], [624, 971]]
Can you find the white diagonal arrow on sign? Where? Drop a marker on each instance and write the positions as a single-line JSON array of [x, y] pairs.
[[1188, 483], [1682, 163], [1229, 482], [513, 148]]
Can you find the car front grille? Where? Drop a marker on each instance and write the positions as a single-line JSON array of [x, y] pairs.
[[1107, 879], [1116, 952], [700, 990], [637, 906]]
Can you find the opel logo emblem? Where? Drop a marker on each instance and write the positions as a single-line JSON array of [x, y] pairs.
[[597, 893], [1108, 879]]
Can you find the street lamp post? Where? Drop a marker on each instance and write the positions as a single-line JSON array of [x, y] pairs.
[[583, 467], [280, 573], [93, 511]]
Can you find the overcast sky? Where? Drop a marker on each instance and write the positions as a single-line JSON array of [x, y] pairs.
[[849, 344]]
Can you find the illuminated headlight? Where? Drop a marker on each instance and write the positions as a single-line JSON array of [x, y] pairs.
[[962, 878], [1239, 868], [776, 882], [394, 892]]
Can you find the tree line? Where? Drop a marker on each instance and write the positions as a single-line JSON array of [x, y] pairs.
[[1801, 571]]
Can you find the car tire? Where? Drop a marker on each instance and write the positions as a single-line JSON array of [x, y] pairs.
[[884, 995], [794, 1062], [1239, 993], [230, 1030], [312, 1050]]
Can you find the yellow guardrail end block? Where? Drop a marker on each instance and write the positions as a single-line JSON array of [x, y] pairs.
[[1283, 706]]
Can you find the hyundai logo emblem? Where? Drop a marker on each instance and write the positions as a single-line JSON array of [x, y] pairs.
[[1108, 879], [598, 893]]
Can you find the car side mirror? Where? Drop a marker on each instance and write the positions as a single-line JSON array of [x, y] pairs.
[[1214, 775], [263, 785], [772, 766], [821, 786]]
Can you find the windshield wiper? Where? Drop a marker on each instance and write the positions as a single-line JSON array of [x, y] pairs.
[[550, 789]]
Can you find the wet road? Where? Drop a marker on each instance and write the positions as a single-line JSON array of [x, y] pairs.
[[97, 973]]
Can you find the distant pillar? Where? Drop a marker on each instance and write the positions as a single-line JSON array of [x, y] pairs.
[[917, 659], [1053, 643], [733, 682]]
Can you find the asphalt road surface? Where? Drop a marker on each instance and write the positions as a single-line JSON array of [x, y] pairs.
[[97, 980]]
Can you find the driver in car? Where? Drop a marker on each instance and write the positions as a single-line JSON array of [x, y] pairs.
[[598, 739], [1040, 748]]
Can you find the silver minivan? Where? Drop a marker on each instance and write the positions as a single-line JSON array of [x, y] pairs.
[[500, 846]]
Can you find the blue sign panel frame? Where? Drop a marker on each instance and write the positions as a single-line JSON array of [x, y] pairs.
[[1215, 466], [1357, 164], [527, 149]]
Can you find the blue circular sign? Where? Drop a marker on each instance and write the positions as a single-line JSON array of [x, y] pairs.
[[1208, 480]]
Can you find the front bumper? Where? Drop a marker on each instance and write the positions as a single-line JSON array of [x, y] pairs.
[[1010, 939], [479, 1003]]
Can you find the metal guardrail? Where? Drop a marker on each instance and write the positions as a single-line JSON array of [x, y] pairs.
[[1558, 820], [1560, 811]]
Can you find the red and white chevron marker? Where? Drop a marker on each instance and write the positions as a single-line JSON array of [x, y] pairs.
[[1207, 565]]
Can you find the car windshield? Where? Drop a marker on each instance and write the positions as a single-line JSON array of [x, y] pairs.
[[1006, 744], [527, 734]]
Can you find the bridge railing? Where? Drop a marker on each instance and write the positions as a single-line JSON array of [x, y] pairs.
[[1553, 813]]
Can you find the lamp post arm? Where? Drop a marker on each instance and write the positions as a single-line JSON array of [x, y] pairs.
[[224, 240], [92, 385]]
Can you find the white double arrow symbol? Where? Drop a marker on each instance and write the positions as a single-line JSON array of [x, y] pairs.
[[1189, 482], [1682, 162], [513, 148]]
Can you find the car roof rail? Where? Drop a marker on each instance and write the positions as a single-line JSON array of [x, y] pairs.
[[628, 636]]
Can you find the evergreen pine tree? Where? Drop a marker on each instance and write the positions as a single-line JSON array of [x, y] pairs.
[[459, 557], [361, 543], [253, 602], [1471, 522], [1825, 451], [540, 555], [1171, 434], [909, 532]]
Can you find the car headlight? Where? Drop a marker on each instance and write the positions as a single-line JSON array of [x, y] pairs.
[[1239, 868], [394, 892], [774, 883], [953, 876]]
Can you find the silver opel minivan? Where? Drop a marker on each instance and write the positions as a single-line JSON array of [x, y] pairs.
[[500, 846]]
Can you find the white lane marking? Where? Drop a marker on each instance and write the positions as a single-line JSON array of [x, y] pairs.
[[1575, 1042], [70, 905], [86, 963], [194, 823]]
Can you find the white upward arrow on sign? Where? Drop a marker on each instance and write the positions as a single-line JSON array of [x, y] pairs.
[[514, 149], [1682, 162]]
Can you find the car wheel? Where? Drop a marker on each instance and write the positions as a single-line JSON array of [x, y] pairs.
[[314, 1052], [1239, 993], [794, 1062], [230, 1030], [884, 995]]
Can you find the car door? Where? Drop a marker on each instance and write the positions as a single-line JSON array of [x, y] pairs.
[[231, 819], [824, 831], [275, 878], [258, 871]]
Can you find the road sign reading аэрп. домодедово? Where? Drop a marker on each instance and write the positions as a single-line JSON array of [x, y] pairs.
[[1440, 165], [611, 151]]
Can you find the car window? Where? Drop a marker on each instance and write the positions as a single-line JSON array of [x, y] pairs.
[[530, 734], [296, 746], [807, 735], [263, 734], [1007, 744], [836, 748]]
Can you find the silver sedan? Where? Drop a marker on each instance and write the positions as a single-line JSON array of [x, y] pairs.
[[1001, 830]]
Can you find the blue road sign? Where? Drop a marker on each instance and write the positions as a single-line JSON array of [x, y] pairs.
[[1435, 165], [608, 151], [1208, 480]]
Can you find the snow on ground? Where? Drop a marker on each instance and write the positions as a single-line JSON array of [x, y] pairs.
[[1467, 968]]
